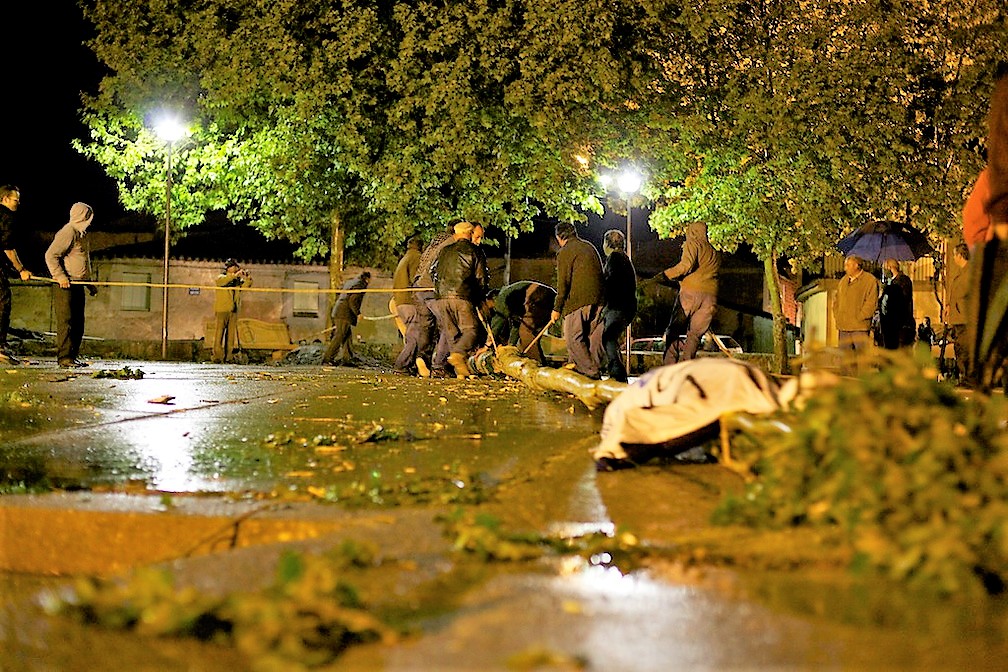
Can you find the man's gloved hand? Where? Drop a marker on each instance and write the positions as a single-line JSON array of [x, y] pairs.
[[92, 290]]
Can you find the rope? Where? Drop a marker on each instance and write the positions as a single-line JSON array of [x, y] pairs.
[[161, 285]]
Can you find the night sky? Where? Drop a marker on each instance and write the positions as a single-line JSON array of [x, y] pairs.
[[46, 68]]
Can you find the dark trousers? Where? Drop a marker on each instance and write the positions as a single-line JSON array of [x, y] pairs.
[[68, 306], [960, 349], [225, 329], [614, 326], [458, 327], [5, 308], [340, 340], [424, 331]]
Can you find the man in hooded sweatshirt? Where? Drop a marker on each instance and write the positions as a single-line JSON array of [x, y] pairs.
[[697, 273], [69, 265]]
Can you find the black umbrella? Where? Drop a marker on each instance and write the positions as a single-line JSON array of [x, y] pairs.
[[877, 241]]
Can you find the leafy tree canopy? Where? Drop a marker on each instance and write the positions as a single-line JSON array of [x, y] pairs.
[[783, 124]]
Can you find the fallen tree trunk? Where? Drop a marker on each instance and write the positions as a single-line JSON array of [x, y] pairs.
[[509, 361]]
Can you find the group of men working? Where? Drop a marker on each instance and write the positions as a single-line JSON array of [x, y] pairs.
[[448, 312]]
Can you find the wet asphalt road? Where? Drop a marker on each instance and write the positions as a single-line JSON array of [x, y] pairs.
[[214, 470]]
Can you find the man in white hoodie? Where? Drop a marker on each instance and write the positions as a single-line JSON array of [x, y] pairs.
[[69, 264]]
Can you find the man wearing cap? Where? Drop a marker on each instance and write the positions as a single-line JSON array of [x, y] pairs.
[[69, 265], [226, 304], [460, 281]]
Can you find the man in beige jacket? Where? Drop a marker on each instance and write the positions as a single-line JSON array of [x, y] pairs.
[[854, 305], [226, 304]]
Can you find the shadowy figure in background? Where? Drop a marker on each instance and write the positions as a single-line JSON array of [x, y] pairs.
[[579, 299], [957, 290], [227, 301], [697, 272], [10, 198], [896, 316], [619, 286], [926, 333], [69, 262], [519, 312], [344, 315]]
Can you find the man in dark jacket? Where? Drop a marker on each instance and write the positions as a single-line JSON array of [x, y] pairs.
[[579, 299], [697, 273], [344, 314], [619, 281], [10, 197], [520, 311], [896, 312], [460, 281]]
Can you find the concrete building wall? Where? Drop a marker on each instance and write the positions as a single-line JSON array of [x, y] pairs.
[[124, 309]]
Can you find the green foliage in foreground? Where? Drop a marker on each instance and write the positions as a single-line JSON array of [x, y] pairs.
[[311, 613], [914, 472], [304, 620]]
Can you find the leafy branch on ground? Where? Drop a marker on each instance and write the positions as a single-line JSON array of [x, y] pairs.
[[912, 471], [482, 535], [125, 373], [304, 620]]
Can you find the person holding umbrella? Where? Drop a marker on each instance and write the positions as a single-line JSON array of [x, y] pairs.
[[896, 313], [854, 305]]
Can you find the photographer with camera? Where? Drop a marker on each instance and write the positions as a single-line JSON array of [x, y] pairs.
[[226, 303]]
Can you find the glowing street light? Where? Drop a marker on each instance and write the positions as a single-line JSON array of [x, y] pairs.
[[629, 183], [170, 131]]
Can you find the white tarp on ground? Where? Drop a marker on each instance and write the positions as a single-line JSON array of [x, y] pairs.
[[671, 406]]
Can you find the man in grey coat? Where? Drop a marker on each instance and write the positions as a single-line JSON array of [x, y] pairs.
[[69, 262]]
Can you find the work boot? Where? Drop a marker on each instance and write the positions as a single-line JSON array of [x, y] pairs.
[[458, 362], [421, 367]]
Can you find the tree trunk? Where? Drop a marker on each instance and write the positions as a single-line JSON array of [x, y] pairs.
[[781, 361], [335, 261], [509, 361]]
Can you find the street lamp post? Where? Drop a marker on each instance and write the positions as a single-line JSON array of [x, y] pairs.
[[170, 131], [629, 182]]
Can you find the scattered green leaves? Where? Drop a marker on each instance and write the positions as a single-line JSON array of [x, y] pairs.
[[481, 535]]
